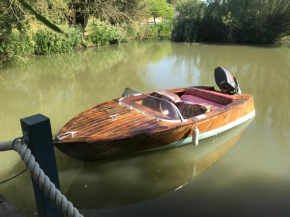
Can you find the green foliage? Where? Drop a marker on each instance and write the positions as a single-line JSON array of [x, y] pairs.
[[5, 27], [115, 12], [15, 43], [134, 30], [173, 2], [159, 30], [160, 8], [30, 27], [47, 41], [103, 33], [232, 21], [16, 46], [285, 40], [74, 36], [11, 16], [40, 17], [188, 23]]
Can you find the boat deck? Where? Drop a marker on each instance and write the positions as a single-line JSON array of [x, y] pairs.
[[109, 120]]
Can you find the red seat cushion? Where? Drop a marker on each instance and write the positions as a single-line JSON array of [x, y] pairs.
[[205, 96]]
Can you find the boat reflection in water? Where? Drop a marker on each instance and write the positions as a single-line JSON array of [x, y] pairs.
[[145, 176]]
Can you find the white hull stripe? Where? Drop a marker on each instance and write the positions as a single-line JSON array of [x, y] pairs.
[[210, 133]]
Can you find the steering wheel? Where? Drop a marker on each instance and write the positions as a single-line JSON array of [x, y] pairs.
[[163, 108]]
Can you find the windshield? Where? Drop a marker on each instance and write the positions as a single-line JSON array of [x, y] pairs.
[[152, 106]]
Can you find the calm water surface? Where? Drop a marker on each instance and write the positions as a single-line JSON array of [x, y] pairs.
[[243, 172]]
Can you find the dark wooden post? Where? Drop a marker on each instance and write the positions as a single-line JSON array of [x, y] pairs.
[[37, 128]]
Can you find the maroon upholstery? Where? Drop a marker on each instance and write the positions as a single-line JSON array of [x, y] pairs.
[[205, 96], [190, 109], [171, 97], [190, 104]]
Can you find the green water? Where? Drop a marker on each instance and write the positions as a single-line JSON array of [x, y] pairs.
[[251, 179]]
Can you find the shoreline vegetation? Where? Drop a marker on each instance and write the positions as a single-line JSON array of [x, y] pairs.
[[233, 21], [31, 27]]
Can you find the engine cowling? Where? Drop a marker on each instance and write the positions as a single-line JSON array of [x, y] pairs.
[[226, 82]]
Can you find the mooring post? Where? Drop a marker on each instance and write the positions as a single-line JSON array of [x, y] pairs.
[[38, 130]]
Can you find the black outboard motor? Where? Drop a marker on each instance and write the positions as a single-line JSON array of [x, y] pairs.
[[225, 81]]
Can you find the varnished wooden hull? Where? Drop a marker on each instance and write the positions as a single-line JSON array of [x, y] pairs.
[[122, 137]]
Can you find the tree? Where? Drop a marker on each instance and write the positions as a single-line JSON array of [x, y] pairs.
[[11, 16], [232, 21], [160, 8]]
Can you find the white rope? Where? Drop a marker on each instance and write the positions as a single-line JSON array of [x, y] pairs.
[[40, 178], [5, 146]]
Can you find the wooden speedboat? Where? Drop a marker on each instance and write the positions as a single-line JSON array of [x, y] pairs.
[[138, 122]]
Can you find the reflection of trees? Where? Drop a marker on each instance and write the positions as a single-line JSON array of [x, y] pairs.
[[261, 71], [60, 86], [158, 51]]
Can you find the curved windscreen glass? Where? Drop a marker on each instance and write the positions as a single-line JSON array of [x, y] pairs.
[[155, 107]]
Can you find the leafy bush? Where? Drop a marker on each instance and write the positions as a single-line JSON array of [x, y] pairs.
[[103, 33], [5, 27], [74, 36], [14, 41], [159, 30], [16, 45], [47, 41], [133, 30]]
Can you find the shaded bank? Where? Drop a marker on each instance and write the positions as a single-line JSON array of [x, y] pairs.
[[232, 21]]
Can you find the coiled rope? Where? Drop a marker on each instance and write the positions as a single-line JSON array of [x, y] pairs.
[[39, 177]]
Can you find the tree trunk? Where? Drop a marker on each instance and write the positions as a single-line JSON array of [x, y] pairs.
[[81, 16]]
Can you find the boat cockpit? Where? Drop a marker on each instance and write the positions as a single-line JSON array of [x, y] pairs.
[[171, 107], [178, 107]]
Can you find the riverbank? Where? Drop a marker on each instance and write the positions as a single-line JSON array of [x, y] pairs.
[[25, 33], [43, 28], [40, 40]]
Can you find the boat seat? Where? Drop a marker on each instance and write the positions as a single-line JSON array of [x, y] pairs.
[[206, 97], [171, 97], [191, 109], [187, 109]]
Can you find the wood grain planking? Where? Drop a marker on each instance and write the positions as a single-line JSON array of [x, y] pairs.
[[108, 122], [101, 117], [145, 125], [132, 126], [121, 124]]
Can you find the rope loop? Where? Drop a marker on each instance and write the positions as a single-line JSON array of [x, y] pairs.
[[39, 177], [13, 143]]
